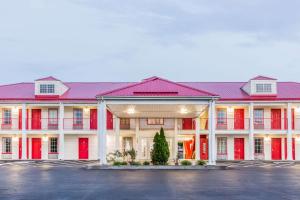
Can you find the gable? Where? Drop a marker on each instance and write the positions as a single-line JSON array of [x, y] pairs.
[[157, 87]]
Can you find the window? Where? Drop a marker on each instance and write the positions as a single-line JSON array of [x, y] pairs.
[[53, 145], [258, 115], [124, 123], [222, 146], [258, 145], [155, 121], [6, 116], [221, 118], [52, 118], [47, 89], [263, 88], [6, 145], [78, 118]]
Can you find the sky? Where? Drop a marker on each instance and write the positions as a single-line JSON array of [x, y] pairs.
[[129, 40]]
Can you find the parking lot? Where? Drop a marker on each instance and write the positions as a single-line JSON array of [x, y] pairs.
[[70, 180]]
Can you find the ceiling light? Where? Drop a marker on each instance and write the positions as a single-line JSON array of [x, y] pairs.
[[130, 111], [183, 111]]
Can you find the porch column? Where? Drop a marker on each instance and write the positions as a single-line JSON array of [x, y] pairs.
[[137, 128], [175, 146], [61, 140], [197, 139], [289, 132], [117, 134], [102, 132], [251, 132], [24, 132], [212, 133]]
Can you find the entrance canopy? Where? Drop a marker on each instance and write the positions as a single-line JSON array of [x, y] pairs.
[[157, 97], [156, 110]]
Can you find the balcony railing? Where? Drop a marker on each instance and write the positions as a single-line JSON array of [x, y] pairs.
[[91, 124], [79, 124], [232, 124]]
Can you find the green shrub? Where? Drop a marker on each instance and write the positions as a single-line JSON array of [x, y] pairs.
[[186, 162], [146, 163], [134, 163], [201, 162], [119, 163], [160, 153]]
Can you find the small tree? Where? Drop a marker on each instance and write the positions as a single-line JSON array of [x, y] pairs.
[[160, 153]]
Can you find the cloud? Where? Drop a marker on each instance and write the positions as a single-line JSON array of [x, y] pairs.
[[92, 40]]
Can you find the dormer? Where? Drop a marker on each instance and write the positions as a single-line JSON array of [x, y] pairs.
[[49, 87], [261, 86]]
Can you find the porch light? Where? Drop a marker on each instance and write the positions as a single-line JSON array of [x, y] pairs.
[[15, 139], [183, 111], [45, 138], [267, 138], [14, 109], [130, 111], [86, 109], [230, 109]]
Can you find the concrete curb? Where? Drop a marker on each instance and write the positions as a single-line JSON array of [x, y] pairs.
[[151, 167]]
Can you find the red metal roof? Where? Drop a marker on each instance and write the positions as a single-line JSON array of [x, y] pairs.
[[153, 86], [233, 91], [262, 78], [156, 86], [49, 78]]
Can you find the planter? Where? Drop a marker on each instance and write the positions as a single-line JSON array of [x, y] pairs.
[[153, 167]]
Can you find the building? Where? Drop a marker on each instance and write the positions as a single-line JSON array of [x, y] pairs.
[[51, 119]]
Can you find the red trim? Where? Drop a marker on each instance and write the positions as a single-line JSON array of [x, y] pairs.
[[152, 79], [47, 96], [7, 153]]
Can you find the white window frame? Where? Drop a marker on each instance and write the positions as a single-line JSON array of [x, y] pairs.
[[155, 121], [222, 146], [6, 116], [263, 88], [47, 88], [53, 145], [6, 145], [258, 115], [259, 146], [221, 116]]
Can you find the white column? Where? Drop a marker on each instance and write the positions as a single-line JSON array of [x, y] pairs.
[[24, 132], [61, 140], [289, 132], [197, 139], [102, 132], [117, 134], [138, 147], [251, 132], [212, 134], [175, 146]]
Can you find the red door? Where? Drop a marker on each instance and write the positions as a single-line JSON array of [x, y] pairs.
[[189, 148], [83, 148], [93, 119], [276, 148], [203, 147], [276, 119], [187, 123], [239, 119], [20, 148], [109, 120], [36, 148], [239, 151], [36, 119], [293, 148]]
